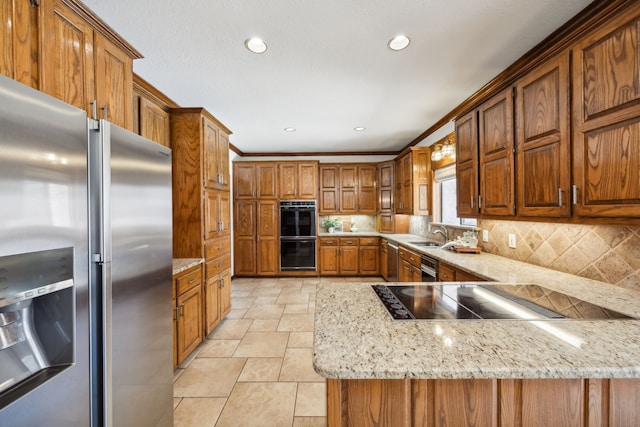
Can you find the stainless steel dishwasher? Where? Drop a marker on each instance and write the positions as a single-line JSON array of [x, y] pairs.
[[392, 261]]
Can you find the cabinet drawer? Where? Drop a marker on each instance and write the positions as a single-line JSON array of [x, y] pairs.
[[188, 280], [329, 241], [369, 241], [348, 241], [411, 257], [217, 247], [446, 273], [216, 265]]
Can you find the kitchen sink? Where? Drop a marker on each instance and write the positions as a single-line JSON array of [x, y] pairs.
[[426, 244]]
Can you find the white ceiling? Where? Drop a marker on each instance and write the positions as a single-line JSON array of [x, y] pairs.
[[328, 68]]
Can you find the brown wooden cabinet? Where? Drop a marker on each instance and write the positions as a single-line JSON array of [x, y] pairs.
[[151, 118], [386, 196], [450, 273], [81, 62], [19, 42], [384, 264], [255, 180], [201, 214], [244, 243], [347, 188], [188, 331], [349, 256], [606, 118], [298, 180], [496, 155], [408, 265], [413, 182], [483, 402], [467, 164], [543, 140], [217, 297], [268, 250]]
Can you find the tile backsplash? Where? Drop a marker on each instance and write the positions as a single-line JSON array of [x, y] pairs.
[[608, 253]]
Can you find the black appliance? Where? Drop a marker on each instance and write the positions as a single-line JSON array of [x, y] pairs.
[[298, 235], [474, 301], [429, 268]]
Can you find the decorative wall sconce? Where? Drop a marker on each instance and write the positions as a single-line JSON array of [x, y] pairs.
[[445, 150]]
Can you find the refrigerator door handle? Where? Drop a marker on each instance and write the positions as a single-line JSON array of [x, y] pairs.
[[107, 359]]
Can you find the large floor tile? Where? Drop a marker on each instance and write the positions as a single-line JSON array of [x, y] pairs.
[[296, 322], [266, 292], [236, 313], [243, 302], [298, 366], [198, 412], [209, 377], [264, 312], [264, 325], [265, 300], [262, 344], [296, 309], [311, 400], [259, 405], [218, 348], [300, 339], [261, 369], [231, 329], [293, 298]]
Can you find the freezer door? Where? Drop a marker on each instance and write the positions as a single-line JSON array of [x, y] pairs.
[[134, 240], [43, 210]]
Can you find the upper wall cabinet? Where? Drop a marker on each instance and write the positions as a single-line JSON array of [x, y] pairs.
[[298, 180], [82, 64], [542, 140], [606, 118], [151, 117], [347, 188], [496, 148], [19, 42], [467, 164], [255, 180], [413, 182]]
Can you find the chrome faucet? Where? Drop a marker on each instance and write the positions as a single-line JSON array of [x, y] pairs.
[[443, 230]]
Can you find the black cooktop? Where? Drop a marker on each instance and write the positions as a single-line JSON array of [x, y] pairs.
[[478, 301]]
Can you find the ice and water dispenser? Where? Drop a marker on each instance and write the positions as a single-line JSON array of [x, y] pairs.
[[36, 320]]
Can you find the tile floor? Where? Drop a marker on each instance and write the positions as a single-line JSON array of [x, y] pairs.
[[256, 368]]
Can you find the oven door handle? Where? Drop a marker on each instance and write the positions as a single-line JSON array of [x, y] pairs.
[[426, 269]]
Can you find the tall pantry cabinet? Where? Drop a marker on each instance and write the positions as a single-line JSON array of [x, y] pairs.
[[202, 204]]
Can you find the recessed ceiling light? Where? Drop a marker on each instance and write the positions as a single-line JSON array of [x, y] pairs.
[[399, 42], [256, 45], [289, 129], [359, 128]]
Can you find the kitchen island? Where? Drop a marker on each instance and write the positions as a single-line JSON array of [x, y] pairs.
[[476, 372]]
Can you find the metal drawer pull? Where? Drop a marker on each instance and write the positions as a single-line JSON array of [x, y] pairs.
[[560, 197]]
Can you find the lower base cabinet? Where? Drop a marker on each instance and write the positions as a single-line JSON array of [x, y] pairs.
[[217, 298], [349, 256], [483, 402], [188, 332], [449, 273]]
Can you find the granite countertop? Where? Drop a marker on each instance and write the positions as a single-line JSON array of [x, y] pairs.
[[362, 341], [350, 234], [182, 264]]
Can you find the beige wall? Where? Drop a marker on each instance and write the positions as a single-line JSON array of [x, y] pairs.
[[606, 253]]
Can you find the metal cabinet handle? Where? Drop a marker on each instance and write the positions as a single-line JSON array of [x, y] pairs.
[[105, 112], [192, 280], [182, 310], [94, 109], [221, 283], [574, 189], [471, 202], [560, 197]]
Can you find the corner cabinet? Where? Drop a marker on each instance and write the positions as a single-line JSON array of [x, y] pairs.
[[413, 182], [606, 119]]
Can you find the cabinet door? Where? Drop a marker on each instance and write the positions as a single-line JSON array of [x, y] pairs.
[[210, 152], [398, 186], [367, 189], [348, 189], [384, 262], [308, 180], [467, 164], [211, 215], [154, 122], [606, 96], [287, 180], [446, 273], [329, 190], [496, 153], [542, 140], [421, 181], [369, 260], [212, 317], [386, 223], [114, 82], [224, 207], [404, 271], [189, 332], [19, 42], [66, 58], [386, 184], [225, 293], [244, 177], [329, 260], [407, 184], [222, 161], [267, 231], [349, 260], [266, 180], [244, 235]]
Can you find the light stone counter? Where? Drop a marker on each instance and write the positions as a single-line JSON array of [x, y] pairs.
[[182, 264], [355, 338]]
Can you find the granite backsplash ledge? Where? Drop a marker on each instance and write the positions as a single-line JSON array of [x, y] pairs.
[[608, 253]]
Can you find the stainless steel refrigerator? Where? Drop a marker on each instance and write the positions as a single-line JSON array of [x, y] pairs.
[[85, 269]]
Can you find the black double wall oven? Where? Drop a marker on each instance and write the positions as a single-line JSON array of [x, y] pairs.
[[298, 235]]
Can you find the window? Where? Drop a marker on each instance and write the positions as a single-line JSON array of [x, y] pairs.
[[444, 198]]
